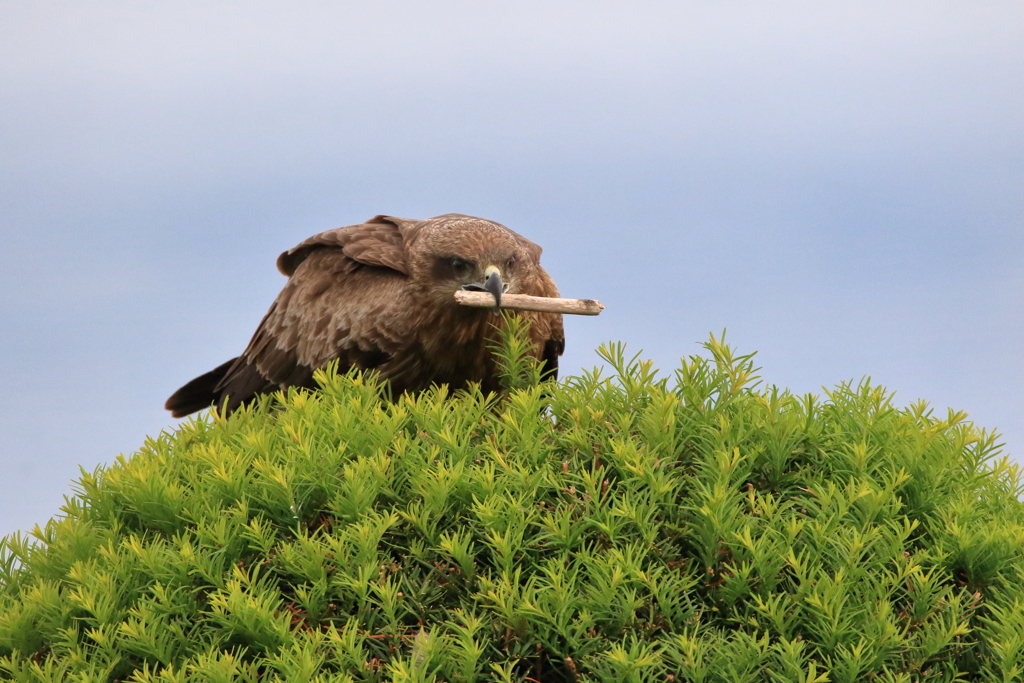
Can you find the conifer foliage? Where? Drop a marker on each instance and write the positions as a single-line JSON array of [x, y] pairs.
[[618, 527]]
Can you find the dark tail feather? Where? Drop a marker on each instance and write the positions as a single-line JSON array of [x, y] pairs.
[[199, 393]]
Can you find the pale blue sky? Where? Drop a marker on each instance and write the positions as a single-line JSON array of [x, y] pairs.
[[840, 184]]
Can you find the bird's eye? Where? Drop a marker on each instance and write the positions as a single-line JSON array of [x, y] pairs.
[[510, 264], [459, 265]]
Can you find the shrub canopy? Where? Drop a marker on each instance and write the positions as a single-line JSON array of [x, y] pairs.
[[604, 528]]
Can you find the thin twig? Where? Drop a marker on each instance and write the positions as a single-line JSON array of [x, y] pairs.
[[524, 302]]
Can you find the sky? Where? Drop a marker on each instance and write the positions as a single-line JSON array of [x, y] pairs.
[[839, 185]]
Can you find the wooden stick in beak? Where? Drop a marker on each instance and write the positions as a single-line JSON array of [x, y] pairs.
[[524, 302]]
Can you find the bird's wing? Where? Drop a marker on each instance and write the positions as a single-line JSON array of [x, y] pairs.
[[379, 241], [546, 328], [349, 304]]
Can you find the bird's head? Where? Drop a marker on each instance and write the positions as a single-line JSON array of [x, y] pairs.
[[455, 252]]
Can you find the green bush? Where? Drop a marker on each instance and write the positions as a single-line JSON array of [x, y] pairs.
[[621, 528]]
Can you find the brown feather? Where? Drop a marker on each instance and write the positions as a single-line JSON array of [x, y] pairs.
[[380, 295]]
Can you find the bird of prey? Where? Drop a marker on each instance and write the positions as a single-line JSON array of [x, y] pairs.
[[380, 296]]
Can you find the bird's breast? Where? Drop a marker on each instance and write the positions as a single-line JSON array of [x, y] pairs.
[[450, 347]]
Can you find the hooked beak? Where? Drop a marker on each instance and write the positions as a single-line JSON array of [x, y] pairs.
[[492, 283]]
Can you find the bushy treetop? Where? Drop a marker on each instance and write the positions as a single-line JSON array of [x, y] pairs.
[[604, 528]]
